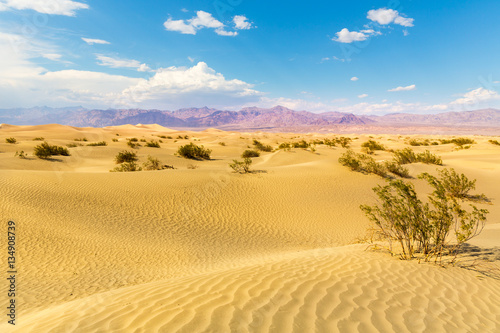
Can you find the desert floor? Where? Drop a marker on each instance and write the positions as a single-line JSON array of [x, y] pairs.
[[199, 248]]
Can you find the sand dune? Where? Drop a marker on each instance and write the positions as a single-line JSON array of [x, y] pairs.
[[202, 249]]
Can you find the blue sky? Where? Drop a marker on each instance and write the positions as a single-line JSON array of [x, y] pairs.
[[366, 57]]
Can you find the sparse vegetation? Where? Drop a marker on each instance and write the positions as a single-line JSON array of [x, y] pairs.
[[407, 156], [362, 163], [45, 151], [285, 146], [153, 144], [397, 169], [38, 139], [114, 140], [455, 185], [155, 164], [127, 167], [260, 146], [126, 156], [133, 139], [21, 154], [422, 230], [241, 166], [97, 144], [81, 139], [133, 144], [494, 142], [371, 146], [250, 153], [11, 140], [192, 166], [73, 145], [344, 142], [428, 158], [223, 144], [194, 152], [458, 141]]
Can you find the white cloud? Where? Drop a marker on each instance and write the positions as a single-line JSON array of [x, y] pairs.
[[362, 96], [121, 63], [346, 36], [407, 88], [184, 10], [354, 78], [241, 22], [92, 41], [479, 95], [52, 56], [386, 16], [206, 20], [54, 7]]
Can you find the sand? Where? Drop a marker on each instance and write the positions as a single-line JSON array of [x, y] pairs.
[[202, 249]]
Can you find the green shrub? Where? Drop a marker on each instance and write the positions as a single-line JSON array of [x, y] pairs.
[[397, 169], [126, 156], [494, 142], [153, 144], [127, 167], [114, 140], [223, 144], [96, 144], [11, 140], [143, 140], [285, 146], [154, 164], [21, 154], [45, 151], [258, 145], [250, 153], [330, 143], [418, 228], [372, 145], [344, 142], [428, 158], [82, 139], [241, 167], [194, 152], [39, 139], [405, 156], [362, 163], [350, 160], [301, 144], [455, 185], [73, 145], [132, 144], [133, 139], [458, 141]]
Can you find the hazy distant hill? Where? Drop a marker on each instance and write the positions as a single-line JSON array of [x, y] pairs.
[[247, 118]]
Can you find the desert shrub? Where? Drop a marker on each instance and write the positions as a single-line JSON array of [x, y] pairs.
[[97, 144], [194, 152], [344, 142], [38, 138], [155, 164], [180, 137], [422, 142], [45, 151], [261, 146], [316, 142], [169, 137], [153, 144], [133, 144], [405, 156], [301, 144], [397, 169], [428, 158], [143, 140], [133, 139], [285, 146], [11, 140], [223, 144], [192, 166], [350, 160], [372, 145], [369, 165], [241, 166], [419, 228], [114, 140], [82, 139], [494, 142], [458, 141], [330, 143], [73, 145], [126, 156], [127, 167], [21, 154], [455, 185], [250, 153]]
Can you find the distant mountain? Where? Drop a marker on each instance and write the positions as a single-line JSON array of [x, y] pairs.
[[254, 118]]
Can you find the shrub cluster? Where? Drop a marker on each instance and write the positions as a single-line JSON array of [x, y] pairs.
[[241, 167], [494, 142], [250, 153], [96, 144], [194, 152], [366, 164], [418, 228], [38, 138], [260, 146], [408, 156], [422, 142], [458, 141], [153, 144], [82, 139], [10, 140], [126, 156], [21, 154], [155, 164], [45, 151], [371, 146], [127, 167]]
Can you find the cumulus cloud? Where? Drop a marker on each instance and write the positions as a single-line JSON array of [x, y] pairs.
[[346, 36], [479, 95], [53, 7], [241, 22], [386, 16], [121, 63], [92, 41], [407, 88], [206, 20], [354, 78], [362, 96]]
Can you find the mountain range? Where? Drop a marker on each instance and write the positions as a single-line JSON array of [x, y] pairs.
[[251, 118]]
